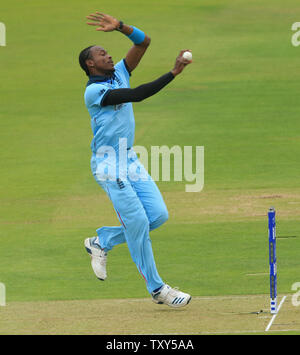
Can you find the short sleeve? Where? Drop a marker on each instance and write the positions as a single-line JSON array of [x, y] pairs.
[[95, 94], [122, 71]]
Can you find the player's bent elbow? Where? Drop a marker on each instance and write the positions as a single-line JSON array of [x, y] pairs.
[[147, 41]]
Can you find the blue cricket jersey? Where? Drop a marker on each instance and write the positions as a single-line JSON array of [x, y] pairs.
[[110, 123]]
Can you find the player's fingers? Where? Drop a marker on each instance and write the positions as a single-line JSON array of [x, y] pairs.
[[182, 62], [92, 18], [92, 23], [182, 51], [181, 59], [95, 17], [100, 13]]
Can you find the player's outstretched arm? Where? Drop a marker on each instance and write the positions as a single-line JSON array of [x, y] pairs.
[[118, 96], [107, 23]]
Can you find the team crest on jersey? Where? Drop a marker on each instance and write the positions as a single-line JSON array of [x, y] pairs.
[[120, 184]]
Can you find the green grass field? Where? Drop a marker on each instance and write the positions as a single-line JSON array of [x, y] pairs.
[[239, 99]]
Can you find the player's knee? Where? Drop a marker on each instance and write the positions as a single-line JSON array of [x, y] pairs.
[[164, 216], [161, 219]]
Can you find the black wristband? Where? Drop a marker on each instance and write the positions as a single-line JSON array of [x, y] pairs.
[[120, 26]]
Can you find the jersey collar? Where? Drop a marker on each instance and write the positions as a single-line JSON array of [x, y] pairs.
[[100, 78]]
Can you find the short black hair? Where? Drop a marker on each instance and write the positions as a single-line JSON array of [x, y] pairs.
[[83, 56]]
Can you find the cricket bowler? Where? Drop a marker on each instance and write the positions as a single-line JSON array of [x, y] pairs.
[[138, 203]]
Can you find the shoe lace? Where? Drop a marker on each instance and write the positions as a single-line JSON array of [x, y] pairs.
[[103, 257], [174, 291], [175, 288]]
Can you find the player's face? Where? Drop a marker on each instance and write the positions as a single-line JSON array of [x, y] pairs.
[[101, 61]]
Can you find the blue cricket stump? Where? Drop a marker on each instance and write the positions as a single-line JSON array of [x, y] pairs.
[[272, 260]]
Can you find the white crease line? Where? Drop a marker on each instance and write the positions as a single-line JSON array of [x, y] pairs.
[[198, 298], [224, 298], [242, 332], [273, 318]]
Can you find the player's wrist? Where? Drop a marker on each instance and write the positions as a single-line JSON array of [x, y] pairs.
[[175, 72], [123, 28], [119, 26], [136, 35]]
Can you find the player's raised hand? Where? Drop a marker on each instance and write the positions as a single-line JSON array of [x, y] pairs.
[[103, 22], [180, 63]]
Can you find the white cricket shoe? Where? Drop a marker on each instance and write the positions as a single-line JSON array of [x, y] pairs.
[[171, 297], [98, 257]]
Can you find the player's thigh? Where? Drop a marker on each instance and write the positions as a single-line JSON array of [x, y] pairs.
[[150, 197], [127, 204]]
